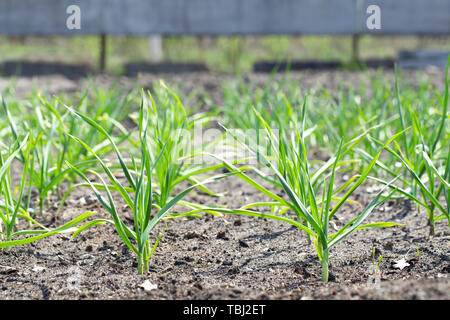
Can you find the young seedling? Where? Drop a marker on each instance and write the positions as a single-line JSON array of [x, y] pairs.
[[313, 211], [171, 135], [53, 147], [438, 184], [376, 263], [13, 208], [424, 158], [139, 195]]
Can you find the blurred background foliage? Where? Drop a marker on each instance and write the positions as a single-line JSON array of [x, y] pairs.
[[223, 54]]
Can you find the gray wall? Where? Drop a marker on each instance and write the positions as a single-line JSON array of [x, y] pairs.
[[144, 17]]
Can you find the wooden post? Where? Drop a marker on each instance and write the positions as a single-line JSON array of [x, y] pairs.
[[421, 43], [102, 52], [156, 49], [355, 48]]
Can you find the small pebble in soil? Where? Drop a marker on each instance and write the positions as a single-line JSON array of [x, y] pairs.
[[62, 261], [233, 271], [244, 244], [38, 269], [198, 286], [179, 262], [125, 250], [193, 235], [446, 268], [222, 235], [148, 286], [116, 266], [8, 270], [388, 245], [331, 276]]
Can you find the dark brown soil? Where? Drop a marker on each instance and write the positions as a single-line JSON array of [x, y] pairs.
[[232, 257], [30, 69], [210, 83]]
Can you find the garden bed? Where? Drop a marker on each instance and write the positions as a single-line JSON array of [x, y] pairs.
[[233, 258], [230, 257]]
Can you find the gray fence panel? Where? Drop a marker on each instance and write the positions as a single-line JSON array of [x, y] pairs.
[[144, 17]]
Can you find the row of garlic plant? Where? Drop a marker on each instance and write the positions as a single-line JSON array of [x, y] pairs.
[[60, 142]]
